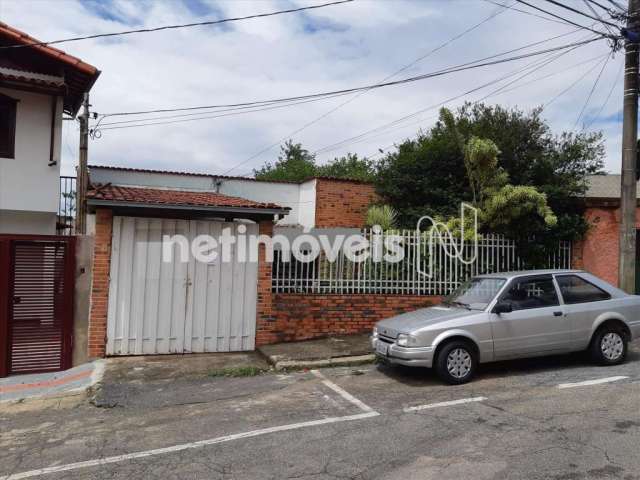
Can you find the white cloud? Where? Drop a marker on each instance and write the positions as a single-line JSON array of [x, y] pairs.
[[353, 44]]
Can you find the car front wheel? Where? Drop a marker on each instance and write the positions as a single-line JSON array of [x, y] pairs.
[[609, 346], [456, 363]]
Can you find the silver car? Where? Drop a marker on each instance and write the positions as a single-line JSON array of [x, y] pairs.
[[512, 315]]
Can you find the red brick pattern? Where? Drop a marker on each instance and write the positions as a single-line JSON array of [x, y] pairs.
[[264, 308], [100, 284], [302, 317], [342, 203], [598, 252]]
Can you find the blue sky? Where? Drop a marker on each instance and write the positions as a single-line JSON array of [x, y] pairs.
[[325, 49]]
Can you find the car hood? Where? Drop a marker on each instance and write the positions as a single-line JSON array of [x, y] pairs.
[[409, 322]]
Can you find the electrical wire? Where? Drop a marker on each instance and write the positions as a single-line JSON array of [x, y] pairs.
[[566, 20], [604, 104], [595, 84], [593, 10], [363, 92], [453, 69], [579, 12], [171, 27], [402, 119], [526, 12], [578, 80]]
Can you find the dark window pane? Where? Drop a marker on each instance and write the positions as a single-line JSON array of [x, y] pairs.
[[7, 126], [532, 293], [575, 289]]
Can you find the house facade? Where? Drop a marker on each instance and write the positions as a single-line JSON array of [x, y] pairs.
[[38, 85], [142, 304], [42, 283], [598, 252]]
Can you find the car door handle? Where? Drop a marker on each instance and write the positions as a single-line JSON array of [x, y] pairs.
[[557, 314]]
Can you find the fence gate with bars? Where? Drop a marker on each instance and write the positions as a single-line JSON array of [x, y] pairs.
[[36, 303], [341, 276]]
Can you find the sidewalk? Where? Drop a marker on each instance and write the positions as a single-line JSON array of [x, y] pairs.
[[54, 384], [323, 352]]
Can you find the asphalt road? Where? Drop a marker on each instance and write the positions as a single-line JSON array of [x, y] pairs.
[[522, 419]]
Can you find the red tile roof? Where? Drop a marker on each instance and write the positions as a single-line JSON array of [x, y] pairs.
[[155, 196], [79, 76], [20, 38]]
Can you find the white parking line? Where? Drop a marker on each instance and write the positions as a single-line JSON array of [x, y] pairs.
[[184, 446], [444, 404], [592, 382], [343, 393]]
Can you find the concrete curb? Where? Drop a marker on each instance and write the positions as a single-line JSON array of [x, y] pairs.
[[321, 363]]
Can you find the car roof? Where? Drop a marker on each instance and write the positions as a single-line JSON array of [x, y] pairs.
[[521, 273]]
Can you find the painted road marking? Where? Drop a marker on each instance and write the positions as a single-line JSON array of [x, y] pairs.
[[444, 404], [343, 393], [592, 382], [185, 446]]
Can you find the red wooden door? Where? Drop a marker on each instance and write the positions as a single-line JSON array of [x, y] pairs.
[[38, 303]]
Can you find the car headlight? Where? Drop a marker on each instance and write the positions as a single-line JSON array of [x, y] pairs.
[[375, 331], [405, 340]]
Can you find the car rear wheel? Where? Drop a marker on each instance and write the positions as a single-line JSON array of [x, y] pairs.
[[609, 346], [456, 363]]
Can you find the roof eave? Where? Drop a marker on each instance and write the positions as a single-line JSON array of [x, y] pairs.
[[190, 208]]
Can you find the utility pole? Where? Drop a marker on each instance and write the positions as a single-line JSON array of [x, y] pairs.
[[83, 177]]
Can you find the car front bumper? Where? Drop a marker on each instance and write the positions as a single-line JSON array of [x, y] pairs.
[[409, 356]]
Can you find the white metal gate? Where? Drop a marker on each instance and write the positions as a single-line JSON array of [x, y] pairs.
[[177, 307]]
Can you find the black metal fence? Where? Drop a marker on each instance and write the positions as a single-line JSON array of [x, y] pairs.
[[66, 222]]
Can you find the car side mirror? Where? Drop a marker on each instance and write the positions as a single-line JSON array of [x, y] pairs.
[[503, 307]]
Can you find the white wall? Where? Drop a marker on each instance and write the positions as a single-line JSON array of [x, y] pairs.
[[29, 223], [299, 197], [27, 183]]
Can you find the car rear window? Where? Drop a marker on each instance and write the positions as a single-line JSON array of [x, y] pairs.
[[576, 289]]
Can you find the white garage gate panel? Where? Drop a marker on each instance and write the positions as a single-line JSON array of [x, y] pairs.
[[177, 307]]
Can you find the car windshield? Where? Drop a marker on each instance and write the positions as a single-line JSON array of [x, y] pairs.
[[476, 293]]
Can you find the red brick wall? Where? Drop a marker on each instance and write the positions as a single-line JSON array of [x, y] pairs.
[[100, 284], [264, 308], [301, 317], [342, 203], [598, 252]]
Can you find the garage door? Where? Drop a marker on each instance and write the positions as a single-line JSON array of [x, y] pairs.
[[177, 307]]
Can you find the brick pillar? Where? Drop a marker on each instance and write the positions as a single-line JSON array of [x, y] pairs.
[[265, 321], [100, 284]]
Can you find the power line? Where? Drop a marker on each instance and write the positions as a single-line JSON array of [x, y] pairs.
[[579, 12], [526, 12], [471, 66], [617, 5], [593, 10], [363, 92], [207, 116], [604, 104], [172, 27], [453, 69], [595, 84], [565, 20], [501, 91], [397, 121], [598, 4], [578, 80]]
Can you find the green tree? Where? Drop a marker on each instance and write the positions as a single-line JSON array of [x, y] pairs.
[[350, 166], [294, 163], [431, 173]]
